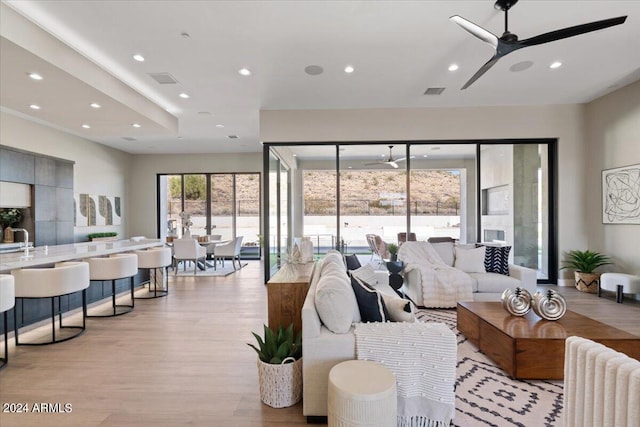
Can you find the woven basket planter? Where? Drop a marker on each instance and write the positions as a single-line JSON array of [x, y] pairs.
[[587, 282], [280, 385]]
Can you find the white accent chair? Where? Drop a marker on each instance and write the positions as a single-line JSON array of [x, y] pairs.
[[154, 259], [7, 302], [230, 250], [188, 250], [64, 278], [211, 249], [114, 267]]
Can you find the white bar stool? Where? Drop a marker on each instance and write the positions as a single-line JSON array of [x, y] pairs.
[[7, 301], [116, 266], [64, 278], [362, 393], [155, 259], [619, 283]]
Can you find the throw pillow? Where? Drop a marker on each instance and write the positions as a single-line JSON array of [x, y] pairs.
[[370, 302], [352, 262], [400, 310], [496, 259], [445, 250], [335, 302], [470, 260], [366, 274]]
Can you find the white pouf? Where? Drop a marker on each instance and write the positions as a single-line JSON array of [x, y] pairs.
[[362, 393], [620, 284]]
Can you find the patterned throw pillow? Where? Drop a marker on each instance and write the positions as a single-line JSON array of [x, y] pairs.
[[496, 259], [370, 302]]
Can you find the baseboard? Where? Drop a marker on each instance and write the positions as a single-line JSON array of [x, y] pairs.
[[316, 419]]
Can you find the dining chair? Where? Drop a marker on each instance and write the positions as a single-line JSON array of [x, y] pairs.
[[230, 249], [188, 250]]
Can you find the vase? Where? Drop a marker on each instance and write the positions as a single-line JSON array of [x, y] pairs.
[[306, 249], [8, 235]]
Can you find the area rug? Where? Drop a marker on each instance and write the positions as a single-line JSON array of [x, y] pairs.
[[209, 272], [487, 396]]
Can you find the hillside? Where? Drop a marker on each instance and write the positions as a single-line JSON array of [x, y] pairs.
[[374, 191]]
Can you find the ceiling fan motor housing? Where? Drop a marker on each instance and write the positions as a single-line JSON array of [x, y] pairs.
[[504, 5]]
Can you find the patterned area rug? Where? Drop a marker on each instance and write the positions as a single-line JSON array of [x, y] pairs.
[[487, 396]]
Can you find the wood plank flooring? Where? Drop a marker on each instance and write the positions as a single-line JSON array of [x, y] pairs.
[[181, 360]]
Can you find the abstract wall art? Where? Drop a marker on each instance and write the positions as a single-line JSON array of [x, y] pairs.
[[93, 210], [621, 195]]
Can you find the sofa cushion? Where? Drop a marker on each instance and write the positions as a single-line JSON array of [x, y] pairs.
[[470, 260], [370, 302], [352, 261], [494, 282], [332, 258], [400, 310], [445, 250], [335, 302], [496, 259]]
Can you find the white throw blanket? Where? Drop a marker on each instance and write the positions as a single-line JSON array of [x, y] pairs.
[[442, 286], [423, 358]]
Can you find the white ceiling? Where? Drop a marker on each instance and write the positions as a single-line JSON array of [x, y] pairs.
[[398, 49]]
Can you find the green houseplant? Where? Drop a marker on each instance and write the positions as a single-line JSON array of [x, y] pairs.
[[107, 235], [279, 366], [584, 264], [393, 251], [10, 217]]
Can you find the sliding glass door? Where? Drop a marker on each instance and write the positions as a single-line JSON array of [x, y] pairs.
[[224, 204]]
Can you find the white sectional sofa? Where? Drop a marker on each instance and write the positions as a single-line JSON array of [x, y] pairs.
[[321, 348], [484, 286]]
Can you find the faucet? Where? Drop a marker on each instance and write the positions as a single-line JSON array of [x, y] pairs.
[[26, 237]]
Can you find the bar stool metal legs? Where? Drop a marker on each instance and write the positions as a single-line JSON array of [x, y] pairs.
[[126, 307], [160, 287]]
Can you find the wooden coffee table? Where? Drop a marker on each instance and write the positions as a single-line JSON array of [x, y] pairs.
[[529, 347]]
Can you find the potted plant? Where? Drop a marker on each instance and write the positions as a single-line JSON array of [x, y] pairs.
[[584, 263], [279, 366], [108, 235], [9, 218], [393, 251]]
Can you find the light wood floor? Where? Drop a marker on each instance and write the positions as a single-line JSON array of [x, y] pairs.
[[181, 360]]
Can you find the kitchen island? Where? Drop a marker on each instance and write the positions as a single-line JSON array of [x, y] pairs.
[[46, 256]]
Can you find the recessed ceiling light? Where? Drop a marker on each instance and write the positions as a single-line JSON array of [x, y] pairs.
[[521, 66], [453, 67], [349, 69], [34, 107], [138, 57], [425, 155], [136, 125], [232, 136], [185, 35], [244, 71], [556, 64], [295, 155], [219, 126], [86, 126], [35, 76], [183, 95], [181, 137], [95, 105]]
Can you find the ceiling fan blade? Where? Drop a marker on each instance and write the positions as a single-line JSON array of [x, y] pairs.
[[393, 165], [401, 159], [490, 63], [572, 31], [476, 30]]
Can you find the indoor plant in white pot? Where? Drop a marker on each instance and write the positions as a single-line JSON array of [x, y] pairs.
[[279, 366]]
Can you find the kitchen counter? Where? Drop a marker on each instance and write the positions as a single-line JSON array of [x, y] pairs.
[[47, 255]]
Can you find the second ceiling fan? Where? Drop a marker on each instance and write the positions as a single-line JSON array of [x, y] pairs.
[[390, 160], [509, 42]]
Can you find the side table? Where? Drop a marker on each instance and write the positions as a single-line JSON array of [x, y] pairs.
[[395, 278]]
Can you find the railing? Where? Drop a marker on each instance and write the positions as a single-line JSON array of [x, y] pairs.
[[313, 206]]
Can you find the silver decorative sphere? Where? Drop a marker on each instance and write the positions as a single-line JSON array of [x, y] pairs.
[[549, 305], [516, 301]]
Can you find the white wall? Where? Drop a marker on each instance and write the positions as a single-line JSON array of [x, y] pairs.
[[613, 136], [145, 167], [98, 169], [565, 122]]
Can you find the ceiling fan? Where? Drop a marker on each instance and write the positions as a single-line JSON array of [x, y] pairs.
[[509, 42], [390, 160]]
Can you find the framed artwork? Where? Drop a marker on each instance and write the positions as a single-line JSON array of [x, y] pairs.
[[93, 210], [621, 195]]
